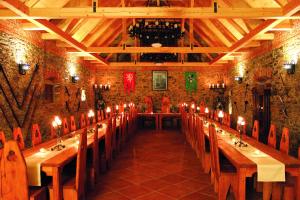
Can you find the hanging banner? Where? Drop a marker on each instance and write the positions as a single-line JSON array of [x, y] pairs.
[[129, 81], [190, 81]]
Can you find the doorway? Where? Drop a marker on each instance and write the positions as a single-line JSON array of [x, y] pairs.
[[261, 111]]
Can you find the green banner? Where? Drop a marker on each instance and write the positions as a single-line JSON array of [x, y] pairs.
[[190, 81]]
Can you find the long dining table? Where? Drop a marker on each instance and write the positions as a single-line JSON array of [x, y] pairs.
[[54, 165], [246, 167]]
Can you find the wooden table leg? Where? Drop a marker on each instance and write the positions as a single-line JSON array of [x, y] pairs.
[[160, 122], [241, 184], [57, 187]]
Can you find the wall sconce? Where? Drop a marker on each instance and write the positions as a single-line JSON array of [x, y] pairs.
[[23, 68], [102, 87], [290, 67], [238, 79], [74, 78]]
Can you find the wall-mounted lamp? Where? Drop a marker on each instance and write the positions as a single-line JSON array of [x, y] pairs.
[[75, 78], [290, 67], [238, 79], [23, 68]]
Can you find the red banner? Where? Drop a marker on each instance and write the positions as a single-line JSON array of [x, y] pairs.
[[129, 81]]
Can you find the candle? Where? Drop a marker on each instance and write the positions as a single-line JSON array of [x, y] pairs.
[[220, 114], [217, 85], [206, 110], [198, 108], [223, 85], [209, 85], [91, 113], [213, 85], [117, 107], [108, 110], [193, 106], [57, 120], [125, 105]]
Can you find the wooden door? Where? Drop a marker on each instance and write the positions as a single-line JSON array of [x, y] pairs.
[[261, 112]]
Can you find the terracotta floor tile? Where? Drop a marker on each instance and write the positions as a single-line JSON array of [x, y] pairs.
[[134, 191], [175, 191], [173, 178], [198, 196], [110, 196], [155, 196], [156, 184], [194, 185]]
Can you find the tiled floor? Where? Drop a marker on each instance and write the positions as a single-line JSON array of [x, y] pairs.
[[155, 166]]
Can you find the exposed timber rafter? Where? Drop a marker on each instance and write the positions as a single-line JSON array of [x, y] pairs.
[[289, 9], [22, 10], [149, 12]]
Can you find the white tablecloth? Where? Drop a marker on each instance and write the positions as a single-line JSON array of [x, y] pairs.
[[34, 161], [268, 168]]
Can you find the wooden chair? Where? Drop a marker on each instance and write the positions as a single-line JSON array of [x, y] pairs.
[[223, 178], [102, 114], [52, 132], [255, 130], [18, 137], [93, 169], [285, 141], [165, 104], [14, 181], [72, 123], [148, 101], [114, 135], [82, 121], [98, 116], [65, 127], [108, 146], [74, 188], [272, 136], [205, 154], [36, 136], [87, 120], [2, 142]]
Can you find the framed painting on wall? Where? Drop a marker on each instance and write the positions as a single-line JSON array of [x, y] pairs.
[[160, 80]]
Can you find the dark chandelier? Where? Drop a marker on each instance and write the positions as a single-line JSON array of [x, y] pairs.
[[156, 32]]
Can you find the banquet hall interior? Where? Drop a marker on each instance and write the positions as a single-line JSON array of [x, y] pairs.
[[149, 99]]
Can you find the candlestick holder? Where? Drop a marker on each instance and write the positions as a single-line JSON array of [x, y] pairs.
[[240, 142], [59, 146]]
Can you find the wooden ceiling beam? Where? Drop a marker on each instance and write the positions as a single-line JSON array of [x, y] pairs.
[[291, 8], [22, 10], [156, 50], [150, 12], [166, 64]]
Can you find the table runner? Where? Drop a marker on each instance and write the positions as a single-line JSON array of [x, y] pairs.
[[268, 168], [34, 161]]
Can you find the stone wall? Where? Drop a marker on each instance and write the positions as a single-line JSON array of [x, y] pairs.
[[176, 86], [54, 69], [284, 48]]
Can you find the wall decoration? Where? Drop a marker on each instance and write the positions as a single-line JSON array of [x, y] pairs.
[[129, 81], [190, 81], [160, 80], [83, 96]]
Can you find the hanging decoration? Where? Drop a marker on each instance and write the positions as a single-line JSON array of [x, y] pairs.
[[190, 81], [129, 81]]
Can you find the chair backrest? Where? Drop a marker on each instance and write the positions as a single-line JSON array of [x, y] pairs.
[[36, 136], [272, 136], [52, 132], [81, 164], [285, 141], [87, 120], [82, 121], [96, 151], [214, 151], [202, 107], [255, 130], [108, 138], [149, 103], [65, 125], [72, 123], [2, 142], [18, 137], [165, 104], [13, 182], [102, 114], [98, 116]]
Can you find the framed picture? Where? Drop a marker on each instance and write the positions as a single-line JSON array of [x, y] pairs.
[[160, 80]]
